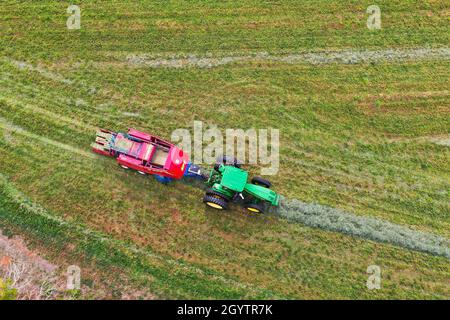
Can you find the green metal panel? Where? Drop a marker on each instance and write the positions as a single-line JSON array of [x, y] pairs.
[[218, 188], [233, 178], [262, 193]]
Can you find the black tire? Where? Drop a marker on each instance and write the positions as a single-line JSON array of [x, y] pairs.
[[255, 208], [211, 192], [215, 202], [261, 182]]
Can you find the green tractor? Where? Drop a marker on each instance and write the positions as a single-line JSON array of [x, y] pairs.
[[228, 182]]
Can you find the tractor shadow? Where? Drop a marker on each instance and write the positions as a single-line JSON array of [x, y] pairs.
[[237, 219]]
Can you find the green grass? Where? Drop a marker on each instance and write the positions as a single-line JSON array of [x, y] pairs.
[[354, 137]]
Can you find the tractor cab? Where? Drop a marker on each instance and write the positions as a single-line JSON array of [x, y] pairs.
[[233, 178]]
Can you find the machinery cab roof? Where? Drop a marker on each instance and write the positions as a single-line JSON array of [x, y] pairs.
[[233, 178]]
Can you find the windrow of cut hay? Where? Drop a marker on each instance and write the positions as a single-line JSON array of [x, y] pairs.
[[331, 219]]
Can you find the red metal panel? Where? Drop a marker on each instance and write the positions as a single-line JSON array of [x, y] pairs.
[[104, 153], [174, 165], [139, 134]]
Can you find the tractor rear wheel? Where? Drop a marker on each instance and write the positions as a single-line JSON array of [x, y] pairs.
[[254, 208], [261, 182], [211, 192], [216, 202]]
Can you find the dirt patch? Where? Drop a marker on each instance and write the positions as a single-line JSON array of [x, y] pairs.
[[38, 279], [33, 277], [176, 216]]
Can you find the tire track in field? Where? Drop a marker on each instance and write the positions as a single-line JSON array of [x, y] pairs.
[[27, 103], [327, 169], [51, 115], [44, 72], [347, 56], [11, 128], [91, 111], [55, 100]]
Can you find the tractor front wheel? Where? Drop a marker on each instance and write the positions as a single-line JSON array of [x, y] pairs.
[[124, 167], [254, 208], [215, 202]]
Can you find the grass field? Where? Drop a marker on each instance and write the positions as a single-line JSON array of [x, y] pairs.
[[370, 138]]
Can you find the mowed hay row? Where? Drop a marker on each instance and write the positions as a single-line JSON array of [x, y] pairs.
[[336, 220]]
